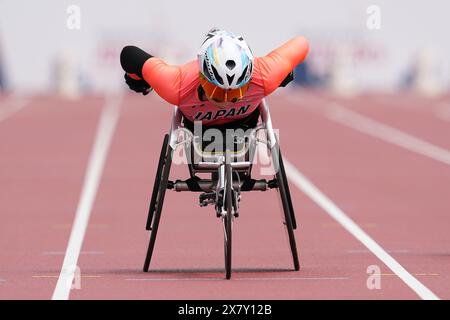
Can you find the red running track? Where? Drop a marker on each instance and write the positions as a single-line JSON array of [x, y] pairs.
[[398, 197]]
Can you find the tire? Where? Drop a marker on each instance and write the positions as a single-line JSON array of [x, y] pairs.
[[285, 205], [159, 170], [158, 208], [228, 219], [288, 192]]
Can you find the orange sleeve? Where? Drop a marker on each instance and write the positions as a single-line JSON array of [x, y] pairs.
[[274, 67], [163, 78]]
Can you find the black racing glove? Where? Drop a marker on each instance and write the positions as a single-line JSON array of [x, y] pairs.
[[140, 86], [132, 60]]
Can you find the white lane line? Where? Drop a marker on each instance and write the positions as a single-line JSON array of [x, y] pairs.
[[176, 279], [388, 251], [11, 106], [239, 279], [395, 136], [61, 253], [292, 278], [337, 214], [105, 132]]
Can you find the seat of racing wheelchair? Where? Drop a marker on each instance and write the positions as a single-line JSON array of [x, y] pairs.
[[210, 142]]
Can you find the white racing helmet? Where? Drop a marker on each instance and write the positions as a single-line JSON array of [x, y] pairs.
[[225, 60]]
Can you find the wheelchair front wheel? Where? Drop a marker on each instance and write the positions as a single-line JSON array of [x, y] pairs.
[[228, 219]]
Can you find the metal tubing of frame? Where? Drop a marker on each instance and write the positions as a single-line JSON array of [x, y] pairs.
[[241, 165], [221, 186], [265, 116], [221, 183], [175, 125], [216, 165], [209, 185]]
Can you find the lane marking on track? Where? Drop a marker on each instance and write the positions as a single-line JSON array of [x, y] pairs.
[[91, 226], [337, 214], [105, 132], [56, 276], [388, 251], [332, 225], [57, 253], [11, 106], [240, 279], [176, 279], [389, 134], [292, 278], [415, 274]]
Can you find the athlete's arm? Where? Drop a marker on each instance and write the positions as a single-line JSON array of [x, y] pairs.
[[144, 68], [277, 65], [132, 59], [164, 78]]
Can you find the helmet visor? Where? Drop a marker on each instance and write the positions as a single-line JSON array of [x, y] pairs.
[[217, 94]]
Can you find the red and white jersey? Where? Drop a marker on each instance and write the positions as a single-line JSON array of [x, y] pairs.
[[178, 85]]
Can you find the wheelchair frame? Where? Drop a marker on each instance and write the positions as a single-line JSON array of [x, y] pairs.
[[224, 191]]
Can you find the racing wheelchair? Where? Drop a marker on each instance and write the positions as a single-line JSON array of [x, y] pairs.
[[230, 175]]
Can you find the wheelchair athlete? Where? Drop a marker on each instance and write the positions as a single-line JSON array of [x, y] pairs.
[[224, 86]]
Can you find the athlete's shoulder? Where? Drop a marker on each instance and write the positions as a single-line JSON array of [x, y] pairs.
[[258, 73], [190, 70], [189, 73]]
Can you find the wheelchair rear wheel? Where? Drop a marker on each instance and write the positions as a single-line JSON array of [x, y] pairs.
[[162, 178], [159, 171], [288, 192], [286, 203]]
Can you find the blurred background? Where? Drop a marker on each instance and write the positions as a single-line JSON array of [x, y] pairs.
[[367, 121], [72, 47]]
